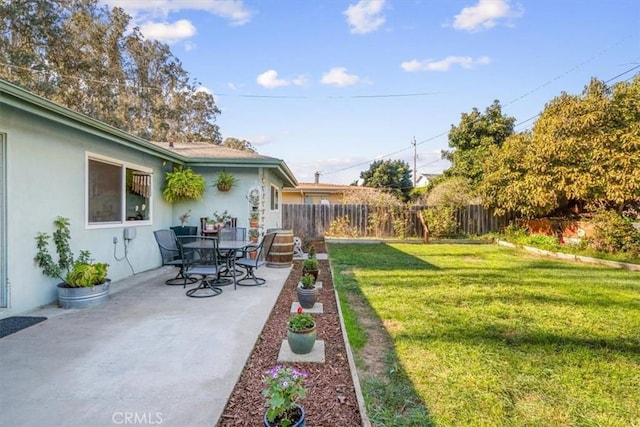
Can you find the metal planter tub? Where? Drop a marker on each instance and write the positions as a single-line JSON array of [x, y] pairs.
[[83, 297]]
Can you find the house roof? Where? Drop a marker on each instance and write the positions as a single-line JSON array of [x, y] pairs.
[[193, 154], [213, 155], [312, 187]]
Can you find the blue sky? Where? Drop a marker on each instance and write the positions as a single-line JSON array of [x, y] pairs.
[[332, 86]]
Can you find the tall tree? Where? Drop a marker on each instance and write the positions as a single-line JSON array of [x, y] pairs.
[[84, 57], [239, 144], [471, 140], [393, 176], [583, 150]]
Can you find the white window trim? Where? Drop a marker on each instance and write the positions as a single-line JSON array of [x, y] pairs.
[[124, 165]]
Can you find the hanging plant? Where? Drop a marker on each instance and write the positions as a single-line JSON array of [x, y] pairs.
[[182, 185], [225, 181]]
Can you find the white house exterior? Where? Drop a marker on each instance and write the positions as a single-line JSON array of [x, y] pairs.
[[56, 162]]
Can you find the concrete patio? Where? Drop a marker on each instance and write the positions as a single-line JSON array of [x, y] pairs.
[[150, 355]]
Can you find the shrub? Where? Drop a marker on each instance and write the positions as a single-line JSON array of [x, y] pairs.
[[341, 227], [613, 233], [441, 221]]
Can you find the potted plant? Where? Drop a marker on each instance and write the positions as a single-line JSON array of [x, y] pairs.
[[84, 282], [221, 219], [301, 332], [183, 185], [311, 266], [225, 181], [283, 392], [254, 217], [307, 291], [254, 234], [184, 218], [254, 199]]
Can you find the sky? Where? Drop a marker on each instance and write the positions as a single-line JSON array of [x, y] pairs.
[[332, 86]]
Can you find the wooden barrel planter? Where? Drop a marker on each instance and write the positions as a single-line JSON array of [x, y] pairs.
[[281, 253]]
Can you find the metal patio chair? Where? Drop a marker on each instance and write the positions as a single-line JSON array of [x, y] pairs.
[[170, 253], [251, 265]]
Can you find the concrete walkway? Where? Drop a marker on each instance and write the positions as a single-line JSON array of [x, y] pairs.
[[149, 356]]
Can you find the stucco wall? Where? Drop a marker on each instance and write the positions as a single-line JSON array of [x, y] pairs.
[[46, 164]]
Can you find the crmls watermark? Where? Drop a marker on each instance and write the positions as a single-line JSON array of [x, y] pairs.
[[137, 418]]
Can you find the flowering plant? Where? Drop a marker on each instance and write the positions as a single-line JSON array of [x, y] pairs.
[[284, 390], [301, 321]]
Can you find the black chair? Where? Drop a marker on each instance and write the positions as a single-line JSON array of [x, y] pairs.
[[185, 230], [252, 264], [200, 257], [170, 253]]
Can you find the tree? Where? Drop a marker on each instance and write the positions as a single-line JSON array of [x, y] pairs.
[[85, 57], [583, 150], [472, 139], [239, 144], [392, 175]]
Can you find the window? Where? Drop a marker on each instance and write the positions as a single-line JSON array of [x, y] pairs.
[[275, 198], [117, 192]]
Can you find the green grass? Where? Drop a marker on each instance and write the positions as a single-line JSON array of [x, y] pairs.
[[490, 336]]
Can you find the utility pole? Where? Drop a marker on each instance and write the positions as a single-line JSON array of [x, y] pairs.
[[415, 156]]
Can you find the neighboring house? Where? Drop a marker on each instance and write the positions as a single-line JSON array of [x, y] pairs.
[[315, 193], [425, 178], [55, 161]]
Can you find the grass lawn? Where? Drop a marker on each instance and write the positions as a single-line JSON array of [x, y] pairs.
[[491, 336]]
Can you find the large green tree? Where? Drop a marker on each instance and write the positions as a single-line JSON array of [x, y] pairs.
[[84, 57], [583, 150], [472, 139], [393, 176]]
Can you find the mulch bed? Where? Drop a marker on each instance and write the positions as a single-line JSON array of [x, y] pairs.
[[331, 398]]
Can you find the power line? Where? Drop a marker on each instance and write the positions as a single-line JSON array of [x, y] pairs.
[[445, 133]]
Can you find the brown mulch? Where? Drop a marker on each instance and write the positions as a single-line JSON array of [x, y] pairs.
[[331, 398]]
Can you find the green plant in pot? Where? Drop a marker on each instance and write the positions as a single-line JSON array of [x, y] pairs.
[[306, 291], [84, 282], [301, 332], [183, 185], [284, 391], [225, 181], [311, 266]]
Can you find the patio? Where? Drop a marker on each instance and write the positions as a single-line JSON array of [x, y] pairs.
[[150, 355]]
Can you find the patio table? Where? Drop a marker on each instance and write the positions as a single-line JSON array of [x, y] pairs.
[[231, 248]]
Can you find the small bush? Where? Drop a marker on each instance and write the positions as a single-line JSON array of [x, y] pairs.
[[613, 233], [341, 227], [441, 221]]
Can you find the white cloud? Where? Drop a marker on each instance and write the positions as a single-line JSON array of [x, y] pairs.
[[169, 33], [444, 64], [365, 16], [148, 10], [270, 80], [338, 76], [484, 15]]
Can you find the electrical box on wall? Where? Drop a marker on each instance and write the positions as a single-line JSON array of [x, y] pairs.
[[129, 233]]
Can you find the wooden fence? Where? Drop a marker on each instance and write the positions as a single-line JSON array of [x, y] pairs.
[[312, 221]]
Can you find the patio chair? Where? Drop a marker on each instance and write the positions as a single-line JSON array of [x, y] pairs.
[[170, 253], [200, 257], [251, 265]]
